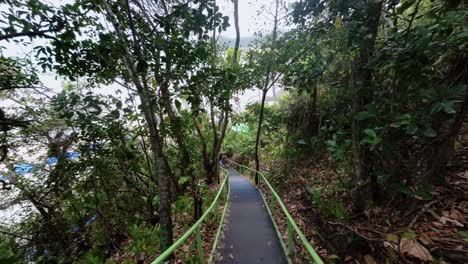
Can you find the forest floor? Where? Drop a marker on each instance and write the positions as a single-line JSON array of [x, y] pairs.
[[402, 230]]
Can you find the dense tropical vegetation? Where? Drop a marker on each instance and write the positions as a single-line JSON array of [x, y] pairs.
[[366, 132]]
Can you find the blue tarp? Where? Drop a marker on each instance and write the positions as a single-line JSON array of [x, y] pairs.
[[71, 155], [91, 220], [87, 223], [52, 160], [23, 168], [4, 178]]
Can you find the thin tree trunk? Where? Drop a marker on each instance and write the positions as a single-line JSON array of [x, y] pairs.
[[165, 218], [177, 131], [259, 131], [236, 24], [312, 118], [362, 96], [438, 153], [264, 93]]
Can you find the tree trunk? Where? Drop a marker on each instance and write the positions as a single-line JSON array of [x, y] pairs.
[[164, 173], [164, 180], [198, 207], [236, 24], [259, 131], [362, 96], [312, 117], [177, 131], [438, 153], [211, 171]]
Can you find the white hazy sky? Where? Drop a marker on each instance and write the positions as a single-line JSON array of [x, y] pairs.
[[249, 18]]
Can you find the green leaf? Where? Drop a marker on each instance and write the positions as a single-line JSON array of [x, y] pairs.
[[183, 180], [464, 235], [435, 108], [370, 132], [448, 107], [331, 143], [411, 129], [405, 118], [372, 109], [408, 235], [422, 195], [392, 237], [363, 115], [429, 132], [404, 6]]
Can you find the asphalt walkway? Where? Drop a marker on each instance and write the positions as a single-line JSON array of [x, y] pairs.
[[248, 233]]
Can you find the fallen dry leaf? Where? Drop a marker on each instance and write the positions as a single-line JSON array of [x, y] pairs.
[[445, 219], [369, 260], [425, 239], [455, 214], [411, 247], [463, 175], [390, 245]]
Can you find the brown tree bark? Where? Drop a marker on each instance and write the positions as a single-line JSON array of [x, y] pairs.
[[312, 121], [437, 154], [362, 96]]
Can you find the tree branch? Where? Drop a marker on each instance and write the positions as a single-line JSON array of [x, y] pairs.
[[31, 34]]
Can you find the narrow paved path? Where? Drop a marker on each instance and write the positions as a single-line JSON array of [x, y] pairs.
[[248, 233]]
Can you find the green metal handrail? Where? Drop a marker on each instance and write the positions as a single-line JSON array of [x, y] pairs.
[[291, 223], [196, 228]]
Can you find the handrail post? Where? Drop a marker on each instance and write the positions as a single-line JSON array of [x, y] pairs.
[[226, 189], [290, 240], [272, 206], [216, 213], [201, 258]]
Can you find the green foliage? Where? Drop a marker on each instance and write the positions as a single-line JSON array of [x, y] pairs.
[[242, 143], [7, 251], [144, 239], [339, 146], [16, 74], [332, 208], [410, 95], [92, 258]]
